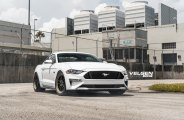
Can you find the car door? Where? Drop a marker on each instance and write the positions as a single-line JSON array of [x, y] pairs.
[[52, 72], [46, 72]]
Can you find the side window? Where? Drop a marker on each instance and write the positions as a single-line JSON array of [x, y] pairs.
[[53, 58], [48, 58]]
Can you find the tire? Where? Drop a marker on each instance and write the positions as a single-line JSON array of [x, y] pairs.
[[36, 84], [60, 85], [117, 92]]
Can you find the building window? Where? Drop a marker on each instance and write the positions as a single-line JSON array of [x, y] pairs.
[[169, 59], [85, 31], [118, 53], [126, 54], [138, 53], [169, 45], [105, 54], [78, 32], [110, 28], [131, 53]]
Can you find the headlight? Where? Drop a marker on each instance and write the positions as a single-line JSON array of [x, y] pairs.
[[125, 72], [72, 71]]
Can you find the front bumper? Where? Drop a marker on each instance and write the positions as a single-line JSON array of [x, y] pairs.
[[102, 87], [78, 82]]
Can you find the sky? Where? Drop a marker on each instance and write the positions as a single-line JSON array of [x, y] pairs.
[[51, 13]]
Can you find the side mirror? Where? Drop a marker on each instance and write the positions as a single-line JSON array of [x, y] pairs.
[[48, 62]]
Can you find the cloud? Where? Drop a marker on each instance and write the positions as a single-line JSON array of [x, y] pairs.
[[53, 23], [57, 22], [6, 4], [60, 23], [18, 15], [77, 2], [126, 3], [73, 13], [100, 7]]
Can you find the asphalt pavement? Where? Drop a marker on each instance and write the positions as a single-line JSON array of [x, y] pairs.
[[20, 102]]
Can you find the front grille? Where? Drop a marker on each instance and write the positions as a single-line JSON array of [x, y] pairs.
[[104, 75], [102, 86]]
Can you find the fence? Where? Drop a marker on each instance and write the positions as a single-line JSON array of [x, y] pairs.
[[159, 71], [18, 68]]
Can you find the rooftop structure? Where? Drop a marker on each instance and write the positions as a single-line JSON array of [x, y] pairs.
[[110, 17], [139, 13], [85, 22]]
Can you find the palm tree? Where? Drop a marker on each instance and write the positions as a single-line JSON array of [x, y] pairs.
[[39, 35]]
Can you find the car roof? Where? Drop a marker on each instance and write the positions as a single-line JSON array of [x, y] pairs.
[[71, 52]]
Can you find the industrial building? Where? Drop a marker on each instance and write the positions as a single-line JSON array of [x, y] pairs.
[[157, 41], [69, 23], [110, 17], [139, 13], [16, 38], [89, 43], [167, 15], [14, 32], [125, 45], [166, 44], [156, 44], [86, 22]]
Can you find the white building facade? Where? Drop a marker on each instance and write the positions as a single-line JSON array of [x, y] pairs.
[[139, 13], [166, 44], [85, 22], [89, 43], [110, 17]]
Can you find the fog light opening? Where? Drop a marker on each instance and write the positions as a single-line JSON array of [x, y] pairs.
[[75, 81]]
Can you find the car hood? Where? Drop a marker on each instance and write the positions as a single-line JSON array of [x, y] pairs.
[[94, 66]]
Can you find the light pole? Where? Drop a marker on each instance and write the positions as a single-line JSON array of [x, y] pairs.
[[34, 28], [29, 7]]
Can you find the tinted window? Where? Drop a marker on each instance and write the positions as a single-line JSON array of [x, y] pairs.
[[75, 57], [51, 57]]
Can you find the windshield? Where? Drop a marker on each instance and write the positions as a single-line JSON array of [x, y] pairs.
[[76, 57]]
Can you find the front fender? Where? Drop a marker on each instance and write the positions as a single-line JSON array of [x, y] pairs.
[[38, 70]]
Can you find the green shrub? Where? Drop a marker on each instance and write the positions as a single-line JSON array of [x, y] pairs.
[[168, 87]]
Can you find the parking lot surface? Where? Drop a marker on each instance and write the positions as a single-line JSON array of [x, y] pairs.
[[19, 101]]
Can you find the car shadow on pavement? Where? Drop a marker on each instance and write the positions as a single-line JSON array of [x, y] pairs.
[[89, 94]]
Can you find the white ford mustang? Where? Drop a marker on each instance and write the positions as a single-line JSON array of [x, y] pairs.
[[65, 71]]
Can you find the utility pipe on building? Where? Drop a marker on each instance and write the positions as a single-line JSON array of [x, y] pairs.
[[34, 29], [76, 46]]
